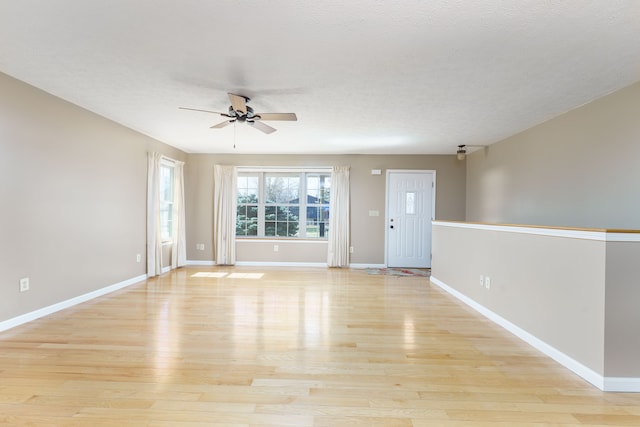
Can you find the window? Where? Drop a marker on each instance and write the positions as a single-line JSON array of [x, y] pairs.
[[276, 203], [166, 201], [247, 219], [318, 186]]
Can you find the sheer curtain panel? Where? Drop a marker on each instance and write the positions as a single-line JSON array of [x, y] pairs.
[[154, 241], [179, 249], [224, 214], [338, 254]]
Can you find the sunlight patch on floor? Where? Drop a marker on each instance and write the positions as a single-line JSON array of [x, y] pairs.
[[219, 275], [209, 274], [246, 275]]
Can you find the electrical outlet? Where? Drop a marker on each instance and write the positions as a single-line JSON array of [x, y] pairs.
[[200, 246], [138, 258], [350, 249], [481, 280], [24, 284], [487, 282], [275, 248]]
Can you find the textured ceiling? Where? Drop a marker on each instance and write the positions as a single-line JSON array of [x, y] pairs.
[[363, 76]]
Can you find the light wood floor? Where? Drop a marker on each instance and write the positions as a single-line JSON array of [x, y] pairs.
[[287, 347]]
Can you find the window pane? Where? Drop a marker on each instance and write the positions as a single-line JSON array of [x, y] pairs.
[[282, 214], [269, 228], [292, 228], [410, 203], [282, 188], [247, 211], [280, 221], [318, 189], [270, 213], [166, 201], [247, 221], [247, 188], [325, 188]]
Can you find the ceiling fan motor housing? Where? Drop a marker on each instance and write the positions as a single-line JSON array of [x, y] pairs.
[[241, 116]]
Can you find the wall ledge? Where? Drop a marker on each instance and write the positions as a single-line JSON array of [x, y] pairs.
[[599, 234]]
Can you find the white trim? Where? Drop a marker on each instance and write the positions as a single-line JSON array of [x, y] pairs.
[[364, 266], [622, 385], [622, 237], [573, 365], [199, 262], [28, 317], [602, 236], [165, 269], [281, 264]]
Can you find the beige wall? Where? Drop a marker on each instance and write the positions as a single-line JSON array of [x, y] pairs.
[[367, 193], [579, 169], [74, 199], [552, 287], [622, 346]]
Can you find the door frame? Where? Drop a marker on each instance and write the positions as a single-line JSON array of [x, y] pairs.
[[386, 204]]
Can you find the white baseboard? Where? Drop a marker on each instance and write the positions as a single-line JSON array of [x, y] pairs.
[[363, 266], [603, 383], [28, 317], [203, 263], [626, 385], [284, 264], [281, 264], [262, 264]]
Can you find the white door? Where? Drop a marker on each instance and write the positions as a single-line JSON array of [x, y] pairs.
[[410, 208]]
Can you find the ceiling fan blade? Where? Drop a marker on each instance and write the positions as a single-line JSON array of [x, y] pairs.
[[262, 127], [204, 111], [238, 102], [278, 116], [222, 124]]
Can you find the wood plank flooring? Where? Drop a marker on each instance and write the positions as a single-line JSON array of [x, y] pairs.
[[287, 347]]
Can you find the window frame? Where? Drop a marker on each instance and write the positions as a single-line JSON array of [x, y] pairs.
[[302, 206]]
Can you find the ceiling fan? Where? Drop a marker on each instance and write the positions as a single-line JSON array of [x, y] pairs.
[[239, 111]]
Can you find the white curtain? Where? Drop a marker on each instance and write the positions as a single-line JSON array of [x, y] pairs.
[[154, 240], [224, 214], [179, 249], [338, 255]]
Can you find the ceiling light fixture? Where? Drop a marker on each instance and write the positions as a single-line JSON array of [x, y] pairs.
[[462, 150]]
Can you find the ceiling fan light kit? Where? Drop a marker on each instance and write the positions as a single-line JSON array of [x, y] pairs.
[[239, 111]]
